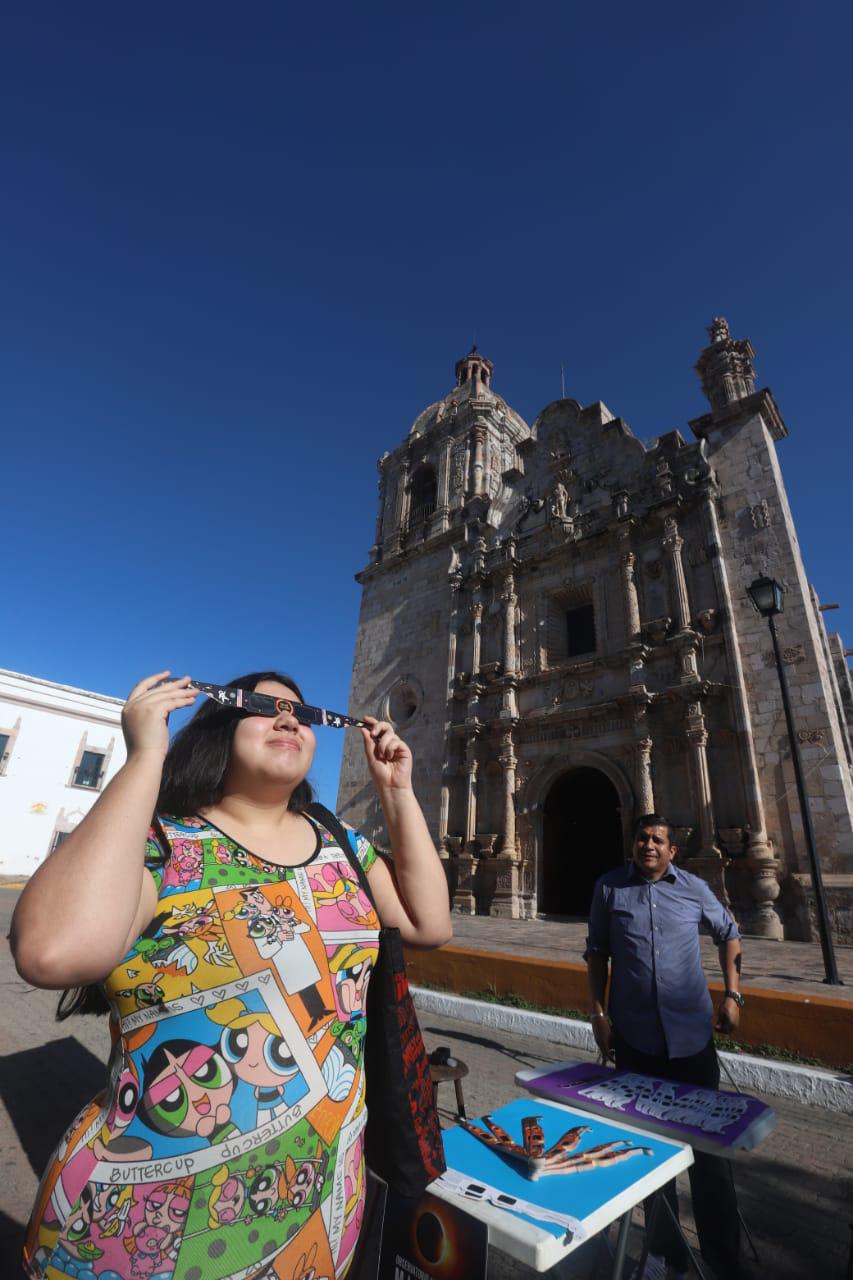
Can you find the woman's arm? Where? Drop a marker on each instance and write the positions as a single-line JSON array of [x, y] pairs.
[[413, 893], [90, 899]]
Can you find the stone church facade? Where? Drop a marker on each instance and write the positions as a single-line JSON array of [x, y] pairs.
[[556, 618]]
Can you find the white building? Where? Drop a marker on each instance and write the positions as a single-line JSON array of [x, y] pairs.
[[59, 747]]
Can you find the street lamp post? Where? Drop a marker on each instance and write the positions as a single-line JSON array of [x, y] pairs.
[[768, 597]]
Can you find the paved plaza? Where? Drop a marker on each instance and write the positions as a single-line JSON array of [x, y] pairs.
[[792, 967], [795, 1190]]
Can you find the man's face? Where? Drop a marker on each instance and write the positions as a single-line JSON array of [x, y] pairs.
[[652, 852]]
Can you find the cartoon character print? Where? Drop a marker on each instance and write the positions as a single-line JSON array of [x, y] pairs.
[[275, 929], [351, 966], [252, 1045], [187, 1090], [306, 1266], [354, 1192], [340, 902], [185, 866], [187, 1074], [101, 1214], [178, 939], [277, 1189], [153, 1242], [112, 1143], [227, 1197]]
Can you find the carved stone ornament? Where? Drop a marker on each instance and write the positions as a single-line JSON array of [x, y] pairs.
[[653, 568], [656, 629], [760, 515], [707, 619], [733, 840], [813, 736], [791, 654]]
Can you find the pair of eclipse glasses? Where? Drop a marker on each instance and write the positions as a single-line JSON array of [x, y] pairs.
[[264, 704]]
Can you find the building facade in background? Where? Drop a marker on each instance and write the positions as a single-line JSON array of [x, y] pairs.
[[59, 747], [556, 617]]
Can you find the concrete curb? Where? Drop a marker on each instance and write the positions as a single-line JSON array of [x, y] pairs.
[[808, 1085]]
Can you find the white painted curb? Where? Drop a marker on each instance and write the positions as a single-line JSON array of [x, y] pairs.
[[757, 1075]]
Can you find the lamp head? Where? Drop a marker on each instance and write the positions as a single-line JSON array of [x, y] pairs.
[[767, 595]]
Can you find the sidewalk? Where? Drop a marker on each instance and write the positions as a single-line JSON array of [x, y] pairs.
[[791, 967], [794, 1190]]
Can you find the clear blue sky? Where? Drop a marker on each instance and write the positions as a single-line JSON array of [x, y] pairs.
[[243, 246]]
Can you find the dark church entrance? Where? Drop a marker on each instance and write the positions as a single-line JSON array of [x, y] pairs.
[[582, 838]]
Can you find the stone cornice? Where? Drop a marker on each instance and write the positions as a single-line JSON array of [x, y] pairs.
[[760, 402]]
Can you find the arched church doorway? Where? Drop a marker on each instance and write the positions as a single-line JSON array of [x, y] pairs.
[[582, 838]]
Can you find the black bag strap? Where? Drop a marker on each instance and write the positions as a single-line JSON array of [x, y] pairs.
[[337, 829], [162, 839]]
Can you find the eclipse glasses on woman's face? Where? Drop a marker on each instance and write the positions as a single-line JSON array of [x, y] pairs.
[[264, 704]]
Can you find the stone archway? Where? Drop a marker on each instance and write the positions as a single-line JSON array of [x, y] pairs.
[[615, 806]]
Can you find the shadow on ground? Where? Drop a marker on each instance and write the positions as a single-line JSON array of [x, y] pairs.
[[43, 1089], [522, 1057]]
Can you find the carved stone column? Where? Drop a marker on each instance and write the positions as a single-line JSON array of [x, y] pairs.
[[443, 496], [510, 603], [400, 507], [708, 863], [455, 582], [506, 901], [380, 514], [643, 774], [478, 460], [464, 899], [476, 636], [763, 863], [672, 545], [508, 846], [628, 562], [471, 769]]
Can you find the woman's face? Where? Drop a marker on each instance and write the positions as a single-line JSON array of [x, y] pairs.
[[271, 749]]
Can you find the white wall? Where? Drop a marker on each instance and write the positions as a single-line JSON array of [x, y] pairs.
[[37, 795]]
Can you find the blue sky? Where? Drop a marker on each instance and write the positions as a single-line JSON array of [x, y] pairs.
[[243, 246]]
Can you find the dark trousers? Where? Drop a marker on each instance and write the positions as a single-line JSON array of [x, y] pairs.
[[711, 1184]]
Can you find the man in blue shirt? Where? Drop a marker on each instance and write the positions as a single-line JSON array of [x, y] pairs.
[[644, 928]]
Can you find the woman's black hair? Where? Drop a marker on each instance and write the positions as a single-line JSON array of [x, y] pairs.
[[195, 765], [192, 778]]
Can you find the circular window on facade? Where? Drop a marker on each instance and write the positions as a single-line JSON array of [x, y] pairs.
[[402, 702]]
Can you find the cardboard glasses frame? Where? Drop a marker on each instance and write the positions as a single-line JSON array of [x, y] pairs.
[[264, 704]]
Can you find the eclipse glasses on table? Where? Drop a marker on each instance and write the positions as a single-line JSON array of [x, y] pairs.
[[264, 704]]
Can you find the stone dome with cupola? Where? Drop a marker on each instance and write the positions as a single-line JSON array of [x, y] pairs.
[[472, 392]]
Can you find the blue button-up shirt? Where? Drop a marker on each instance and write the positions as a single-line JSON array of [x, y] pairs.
[[649, 929]]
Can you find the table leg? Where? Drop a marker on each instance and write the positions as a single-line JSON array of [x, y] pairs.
[[622, 1244], [460, 1104]]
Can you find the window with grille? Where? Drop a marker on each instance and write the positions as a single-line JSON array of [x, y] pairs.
[[89, 770], [424, 492]]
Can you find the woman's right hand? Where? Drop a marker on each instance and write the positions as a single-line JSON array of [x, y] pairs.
[[145, 717]]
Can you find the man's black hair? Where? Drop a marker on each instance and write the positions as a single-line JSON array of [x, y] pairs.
[[654, 820]]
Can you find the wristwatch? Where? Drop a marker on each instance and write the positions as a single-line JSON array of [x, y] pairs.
[[737, 997]]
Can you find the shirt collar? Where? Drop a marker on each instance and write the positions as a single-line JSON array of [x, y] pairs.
[[670, 875]]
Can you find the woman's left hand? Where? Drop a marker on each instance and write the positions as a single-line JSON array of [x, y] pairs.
[[388, 758]]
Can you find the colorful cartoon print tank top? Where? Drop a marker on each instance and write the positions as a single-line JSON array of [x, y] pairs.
[[229, 1140]]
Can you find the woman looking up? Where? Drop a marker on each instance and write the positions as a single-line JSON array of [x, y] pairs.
[[232, 948]]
